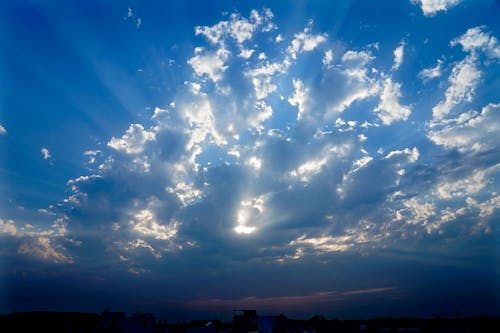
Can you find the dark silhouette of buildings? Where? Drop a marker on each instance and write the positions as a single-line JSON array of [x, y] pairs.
[[244, 321]]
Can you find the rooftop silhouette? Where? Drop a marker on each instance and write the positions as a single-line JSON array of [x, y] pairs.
[[244, 321]]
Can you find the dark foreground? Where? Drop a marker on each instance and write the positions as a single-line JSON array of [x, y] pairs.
[[244, 321]]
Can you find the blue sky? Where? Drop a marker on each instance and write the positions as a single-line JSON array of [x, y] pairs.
[[300, 157]]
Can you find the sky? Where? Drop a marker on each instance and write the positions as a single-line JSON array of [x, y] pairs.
[[190, 158]]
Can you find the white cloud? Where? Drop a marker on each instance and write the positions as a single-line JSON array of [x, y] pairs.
[[209, 63], [261, 113], [241, 229], [43, 248], [41, 244], [202, 123], [92, 155], [361, 163], [187, 193], [466, 75], [362, 234], [131, 16], [3, 131], [322, 244], [250, 211], [8, 227], [92, 152], [159, 112], [357, 84], [263, 86], [305, 42], [133, 141], [431, 73], [463, 80], [310, 168], [238, 28], [431, 7], [299, 97], [398, 56], [356, 61], [262, 77], [246, 53], [470, 132], [214, 33], [412, 154], [467, 185], [475, 39], [137, 244], [269, 69], [45, 153], [389, 109], [486, 208], [146, 224], [418, 212], [313, 166], [255, 163], [328, 58]]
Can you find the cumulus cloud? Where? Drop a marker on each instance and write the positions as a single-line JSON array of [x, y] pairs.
[[360, 235], [464, 78], [356, 61], [466, 74], [470, 132], [262, 77], [133, 141], [487, 207], [39, 244], [211, 64], [305, 41], [43, 248], [238, 28], [431, 7], [476, 39], [389, 109], [8, 227], [466, 185], [3, 131], [318, 103]]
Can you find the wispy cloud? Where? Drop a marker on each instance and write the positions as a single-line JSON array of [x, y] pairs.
[[287, 303]]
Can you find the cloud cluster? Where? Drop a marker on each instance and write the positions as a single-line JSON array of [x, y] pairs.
[[257, 159]]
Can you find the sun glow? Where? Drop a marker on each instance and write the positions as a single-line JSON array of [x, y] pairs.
[[245, 230]]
